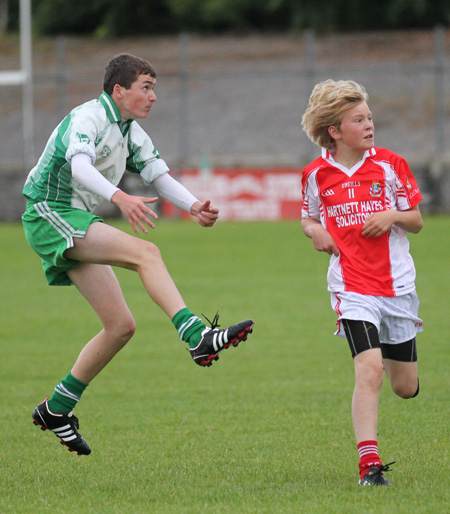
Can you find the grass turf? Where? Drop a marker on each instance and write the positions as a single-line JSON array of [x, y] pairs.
[[266, 429]]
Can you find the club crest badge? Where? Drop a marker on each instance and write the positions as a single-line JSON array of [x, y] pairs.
[[375, 189], [106, 150]]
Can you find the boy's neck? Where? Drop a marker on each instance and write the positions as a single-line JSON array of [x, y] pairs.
[[348, 159]]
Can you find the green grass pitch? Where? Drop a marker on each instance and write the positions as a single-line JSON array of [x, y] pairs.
[[266, 429]]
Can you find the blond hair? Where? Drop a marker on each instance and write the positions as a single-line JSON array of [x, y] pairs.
[[328, 103]]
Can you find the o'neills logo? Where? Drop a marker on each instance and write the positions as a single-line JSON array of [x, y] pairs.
[[375, 189]]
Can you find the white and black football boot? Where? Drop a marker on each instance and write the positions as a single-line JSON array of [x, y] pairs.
[[63, 426], [214, 340]]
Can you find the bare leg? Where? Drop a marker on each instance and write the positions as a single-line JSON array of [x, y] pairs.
[[368, 381], [99, 285], [104, 244], [402, 376]]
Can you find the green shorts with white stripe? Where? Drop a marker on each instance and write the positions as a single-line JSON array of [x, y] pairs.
[[50, 228]]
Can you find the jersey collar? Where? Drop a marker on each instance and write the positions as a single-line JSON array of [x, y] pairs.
[[329, 155], [113, 113], [111, 108]]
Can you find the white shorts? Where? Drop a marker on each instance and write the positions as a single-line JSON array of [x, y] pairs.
[[396, 318]]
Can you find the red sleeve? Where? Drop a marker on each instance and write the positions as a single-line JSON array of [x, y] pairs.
[[407, 191]]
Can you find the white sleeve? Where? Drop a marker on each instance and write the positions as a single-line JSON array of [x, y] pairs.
[[311, 203], [89, 177], [174, 192]]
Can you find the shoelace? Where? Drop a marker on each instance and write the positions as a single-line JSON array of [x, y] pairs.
[[215, 323], [385, 467], [75, 421]]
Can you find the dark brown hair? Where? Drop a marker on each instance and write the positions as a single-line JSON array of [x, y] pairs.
[[124, 69]]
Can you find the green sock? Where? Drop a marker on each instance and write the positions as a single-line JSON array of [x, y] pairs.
[[67, 394], [189, 327]]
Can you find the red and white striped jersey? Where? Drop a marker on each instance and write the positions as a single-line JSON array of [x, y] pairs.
[[341, 199]]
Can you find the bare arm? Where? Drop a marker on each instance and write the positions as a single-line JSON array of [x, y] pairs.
[[379, 223], [321, 238]]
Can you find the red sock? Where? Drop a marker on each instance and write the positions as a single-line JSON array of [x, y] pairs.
[[368, 456]]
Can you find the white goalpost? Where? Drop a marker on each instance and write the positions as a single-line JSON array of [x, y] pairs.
[[24, 77]]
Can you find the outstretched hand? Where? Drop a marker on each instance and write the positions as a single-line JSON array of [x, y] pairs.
[[135, 209], [205, 213]]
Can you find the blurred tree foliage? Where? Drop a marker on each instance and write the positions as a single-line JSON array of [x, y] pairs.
[[111, 18]]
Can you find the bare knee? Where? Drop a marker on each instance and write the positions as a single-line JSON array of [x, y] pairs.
[[406, 390], [403, 378], [142, 254], [149, 253], [369, 372], [128, 329], [122, 329]]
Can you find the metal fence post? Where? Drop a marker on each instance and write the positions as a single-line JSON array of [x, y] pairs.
[[439, 114], [183, 141], [310, 51], [27, 88], [61, 75]]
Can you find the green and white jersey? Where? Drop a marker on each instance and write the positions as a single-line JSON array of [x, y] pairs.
[[114, 145]]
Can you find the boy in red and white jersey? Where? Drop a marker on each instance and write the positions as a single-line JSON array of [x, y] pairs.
[[359, 202]]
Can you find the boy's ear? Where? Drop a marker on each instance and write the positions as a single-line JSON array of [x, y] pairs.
[[118, 91], [334, 132]]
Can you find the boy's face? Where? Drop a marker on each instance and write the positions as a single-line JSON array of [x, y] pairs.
[[357, 130], [136, 102]]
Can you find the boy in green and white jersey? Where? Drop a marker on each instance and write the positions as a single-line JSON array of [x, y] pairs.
[[81, 166]]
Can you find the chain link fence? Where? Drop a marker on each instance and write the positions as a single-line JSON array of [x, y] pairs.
[[239, 101]]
